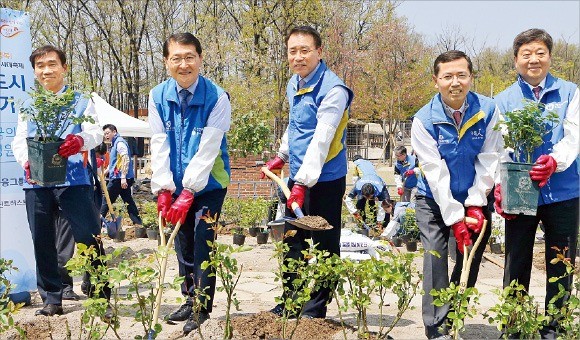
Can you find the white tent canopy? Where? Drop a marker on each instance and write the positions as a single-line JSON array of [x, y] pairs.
[[127, 126]]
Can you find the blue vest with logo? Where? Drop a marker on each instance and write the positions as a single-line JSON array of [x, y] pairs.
[[457, 146], [184, 131], [556, 96], [409, 163], [114, 154], [304, 105], [76, 172]]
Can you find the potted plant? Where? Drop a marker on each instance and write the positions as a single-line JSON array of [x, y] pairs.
[[53, 114], [522, 130], [410, 229], [262, 236], [239, 237]]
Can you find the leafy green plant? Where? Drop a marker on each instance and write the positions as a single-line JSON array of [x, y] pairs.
[[95, 306], [7, 307], [52, 112], [223, 265], [361, 286], [149, 215], [523, 129], [253, 211], [396, 272], [516, 313], [409, 226], [461, 302], [250, 133], [568, 314]]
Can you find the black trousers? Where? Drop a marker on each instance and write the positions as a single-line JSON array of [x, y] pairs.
[[435, 236], [192, 248], [325, 200], [115, 190], [561, 223], [65, 247], [76, 206]]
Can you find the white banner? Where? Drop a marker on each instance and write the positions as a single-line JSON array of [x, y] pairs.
[[16, 78]]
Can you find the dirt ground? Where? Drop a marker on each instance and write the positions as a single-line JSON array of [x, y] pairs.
[[256, 292]]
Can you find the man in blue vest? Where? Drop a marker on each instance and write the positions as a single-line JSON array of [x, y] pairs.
[[454, 140], [44, 205], [189, 116], [556, 169], [369, 187], [121, 173], [314, 145], [406, 168]]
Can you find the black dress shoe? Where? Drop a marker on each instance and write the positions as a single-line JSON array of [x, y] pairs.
[[50, 310], [183, 313], [195, 320], [70, 295], [109, 315], [278, 310], [86, 288]]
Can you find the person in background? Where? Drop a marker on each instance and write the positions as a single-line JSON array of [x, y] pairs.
[[456, 145], [121, 174], [406, 168], [314, 145], [556, 169], [370, 188], [45, 204], [398, 214], [189, 115]]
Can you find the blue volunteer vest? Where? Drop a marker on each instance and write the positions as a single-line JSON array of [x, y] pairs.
[[458, 148], [76, 172], [304, 105], [409, 163], [184, 131], [557, 95], [377, 183], [113, 167], [364, 168]]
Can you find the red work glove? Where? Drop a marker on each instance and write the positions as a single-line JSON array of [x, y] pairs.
[[163, 202], [356, 215], [274, 165], [297, 195], [409, 172], [497, 203], [544, 167], [180, 207], [462, 235], [477, 213], [72, 145], [27, 173], [400, 191], [100, 162]]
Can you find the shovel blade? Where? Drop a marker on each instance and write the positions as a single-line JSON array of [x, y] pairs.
[[113, 226]]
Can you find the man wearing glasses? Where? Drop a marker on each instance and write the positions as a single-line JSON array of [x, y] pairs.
[[189, 116], [454, 140], [314, 145]]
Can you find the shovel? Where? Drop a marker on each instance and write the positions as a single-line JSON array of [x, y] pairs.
[[301, 221], [114, 225], [468, 254], [163, 268]]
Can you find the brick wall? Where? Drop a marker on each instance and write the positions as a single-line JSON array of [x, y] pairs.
[[246, 182]]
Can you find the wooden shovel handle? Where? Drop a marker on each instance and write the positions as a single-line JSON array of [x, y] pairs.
[[297, 211], [106, 193], [468, 255]]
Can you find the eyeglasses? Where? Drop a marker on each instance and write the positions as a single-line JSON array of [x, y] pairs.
[[177, 60], [460, 77], [302, 52]]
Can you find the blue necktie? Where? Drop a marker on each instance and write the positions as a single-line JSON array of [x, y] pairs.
[[183, 94]]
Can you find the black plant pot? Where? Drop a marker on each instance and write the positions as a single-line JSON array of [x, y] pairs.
[[239, 239], [262, 238], [496, 248], [364, 232], [405, 238], [411, 245], [519, 193], [120, 236], [140, 232], [47, 167], [397, 241], [152, 234], [253, 231]]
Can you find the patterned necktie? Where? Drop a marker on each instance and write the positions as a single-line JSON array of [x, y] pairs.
[[301, 83], [457, 117], [183, 94], [537, 91]]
